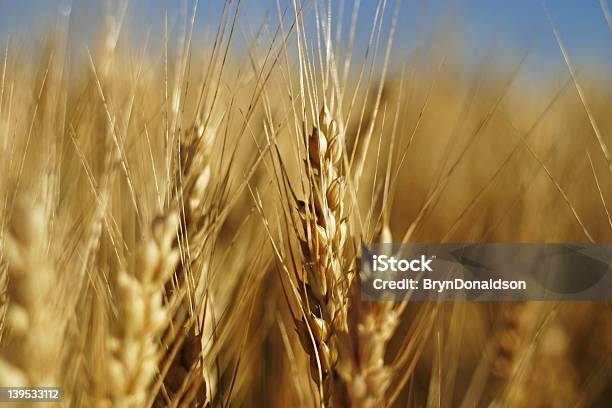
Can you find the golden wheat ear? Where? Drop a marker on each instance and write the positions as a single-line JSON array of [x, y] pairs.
[[181, 366], [31, 348], [134, 350], [324, 282], [364, 371]]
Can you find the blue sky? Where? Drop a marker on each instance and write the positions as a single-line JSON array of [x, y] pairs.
[[476, 25]]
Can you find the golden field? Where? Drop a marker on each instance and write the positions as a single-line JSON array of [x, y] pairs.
[[182, 226]]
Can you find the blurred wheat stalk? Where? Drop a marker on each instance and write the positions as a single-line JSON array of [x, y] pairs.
[[185, 230]]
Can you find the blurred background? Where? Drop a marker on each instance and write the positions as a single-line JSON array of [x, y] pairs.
[[476, 26]]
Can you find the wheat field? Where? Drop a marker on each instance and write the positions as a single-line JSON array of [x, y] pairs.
[[181, 220]]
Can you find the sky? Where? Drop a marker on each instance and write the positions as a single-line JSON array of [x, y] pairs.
[[476, 26]]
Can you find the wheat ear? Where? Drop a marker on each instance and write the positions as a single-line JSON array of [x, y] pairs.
[[324, 282], [31, 349], [182, 366], [134, 351], [532, 352], [366, 375]]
